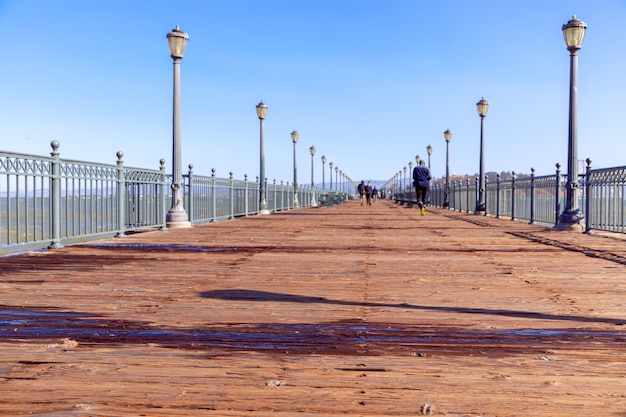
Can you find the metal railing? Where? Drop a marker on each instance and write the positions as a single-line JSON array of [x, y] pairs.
[[606, 202], [50, 202], [540, 199]]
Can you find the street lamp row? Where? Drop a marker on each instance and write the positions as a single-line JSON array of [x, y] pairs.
[[177, 216], [261, 110], [569, 219]]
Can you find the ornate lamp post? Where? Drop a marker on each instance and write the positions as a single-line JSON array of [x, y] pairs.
[[294, 139], [447, 135], [323, 172], [571, 218], [404, 185], [429, 150], [313, 203], [410, 189], [177, 216], [336, 174], [261, 111], [398, 182], [482, 106], [330, 166], [341, 183]]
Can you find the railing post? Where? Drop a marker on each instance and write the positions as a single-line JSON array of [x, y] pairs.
[[588, 197], [275, 199], [163, 195], [557, 208], [451, 195], [467, 192], [265, 184], [213, 195], [282, 199], [231, 196], [450, 191], [497, 196], [55, 201], [476, 193], [121, 196], [485, 194], [190, 209], [532, 196], [245, 179], [257, 187], [513, 195]]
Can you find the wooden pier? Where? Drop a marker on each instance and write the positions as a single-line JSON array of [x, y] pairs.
[[332, 311]]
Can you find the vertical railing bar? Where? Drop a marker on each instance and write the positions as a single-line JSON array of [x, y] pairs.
[[122, 195], [588, 196], [190, 194], [213, 195], [162, 191], [9, 211], [18, 210], [66, 202], [231, 196], [246, 210], [557, 199], [497, 196], [42, 236], [513, 195], [91, 203], [486, 195], [532, 196]]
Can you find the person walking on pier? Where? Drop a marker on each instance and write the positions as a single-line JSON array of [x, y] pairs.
[[421, 180], [368, 193], [361, 190]]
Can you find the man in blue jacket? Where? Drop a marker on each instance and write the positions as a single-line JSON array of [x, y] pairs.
[[421, 181]]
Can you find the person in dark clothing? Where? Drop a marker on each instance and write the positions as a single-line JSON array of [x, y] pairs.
[[361, 189], [421, 181], [368, 193]]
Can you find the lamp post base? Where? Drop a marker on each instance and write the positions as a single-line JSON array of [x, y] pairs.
[[480, 209], [178, 225], [177, 219], [571, 221], [263, 206]]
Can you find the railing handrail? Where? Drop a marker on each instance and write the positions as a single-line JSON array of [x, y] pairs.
[[48, 201], [601, 194], [51, 201]]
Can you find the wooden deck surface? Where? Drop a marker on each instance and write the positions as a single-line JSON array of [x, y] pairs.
[[347, 310]]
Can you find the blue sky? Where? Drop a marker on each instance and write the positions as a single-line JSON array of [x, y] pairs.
[[369, 83]]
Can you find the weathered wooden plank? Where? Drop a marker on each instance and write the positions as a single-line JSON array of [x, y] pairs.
[[346, 310]]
